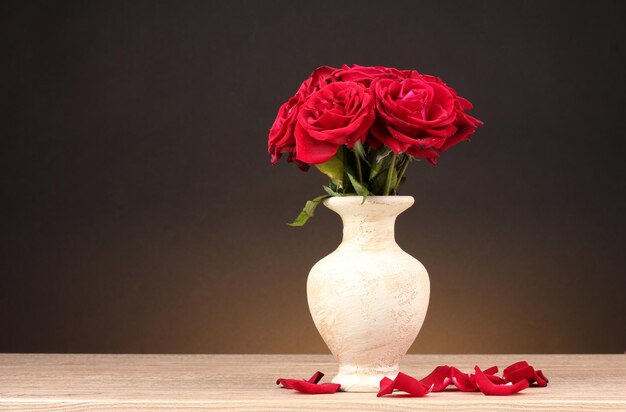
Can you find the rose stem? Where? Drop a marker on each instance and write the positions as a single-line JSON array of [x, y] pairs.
[[358, 167], [405, 166], [392, 166]]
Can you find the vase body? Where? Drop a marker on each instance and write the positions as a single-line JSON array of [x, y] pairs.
[[368, 298]]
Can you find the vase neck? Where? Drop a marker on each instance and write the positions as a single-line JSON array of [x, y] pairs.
[[368, 234], [369, 225]]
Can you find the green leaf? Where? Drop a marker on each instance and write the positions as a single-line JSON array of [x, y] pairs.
[[378, 186], [379, 160], [375, 170], [360, 151], [333, 168], [402, 170], [382, 153], [308, 211], [392, 175], [331, 191], [358, 187]]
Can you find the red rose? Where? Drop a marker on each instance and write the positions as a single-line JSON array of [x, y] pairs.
[[420, 114], [281, 137], [337, 114]]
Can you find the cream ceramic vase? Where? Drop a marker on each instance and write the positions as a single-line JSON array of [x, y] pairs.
[[368, 298]]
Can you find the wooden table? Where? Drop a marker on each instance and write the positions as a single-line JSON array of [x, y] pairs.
[[247, 382]]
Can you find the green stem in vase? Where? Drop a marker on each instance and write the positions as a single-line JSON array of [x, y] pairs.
[[359, 173], [392, 166], [405, 166]]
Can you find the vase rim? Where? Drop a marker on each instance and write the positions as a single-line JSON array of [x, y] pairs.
[[358, 200]]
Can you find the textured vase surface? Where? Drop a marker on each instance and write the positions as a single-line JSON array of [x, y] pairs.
[[368, 298]]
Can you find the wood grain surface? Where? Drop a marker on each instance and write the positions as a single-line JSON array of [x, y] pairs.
[[247, 382]]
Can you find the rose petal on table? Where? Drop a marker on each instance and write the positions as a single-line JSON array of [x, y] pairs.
[[472, 378], [303, 386], [404, 383], [286, 383], [519, 371], [290, 383], [522, 370], [512, 368], [495, 379], [541, 379], [386, 386], [516, 365], [438, 379], [491, 389], [317, 376], [463, 381], [491, 371]]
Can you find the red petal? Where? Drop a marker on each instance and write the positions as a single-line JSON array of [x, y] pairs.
[[309, 386], [519, 371], [541, 378], [515, 366], [491, 371], [527, 373], [310, 150], [301, 165], [386, 386], [463, 381], [404, 383], [465, 105], [489, 388], [427, 154], [317, 376], [495, 379], [438, 379], [460, 136], [491, 374], [286, 383], [314, 388]]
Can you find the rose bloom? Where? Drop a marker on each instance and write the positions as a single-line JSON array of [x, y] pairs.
[[418, 115], [337, 114], [281, 137]]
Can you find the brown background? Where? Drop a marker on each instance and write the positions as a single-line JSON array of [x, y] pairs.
[[140, 212]]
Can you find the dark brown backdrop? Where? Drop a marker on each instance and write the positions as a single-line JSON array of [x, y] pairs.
[[140, 212]]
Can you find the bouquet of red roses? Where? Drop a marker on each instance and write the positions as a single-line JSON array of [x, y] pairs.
[[362, 127]]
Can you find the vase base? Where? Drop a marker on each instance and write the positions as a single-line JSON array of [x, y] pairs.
[[354, 379]]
